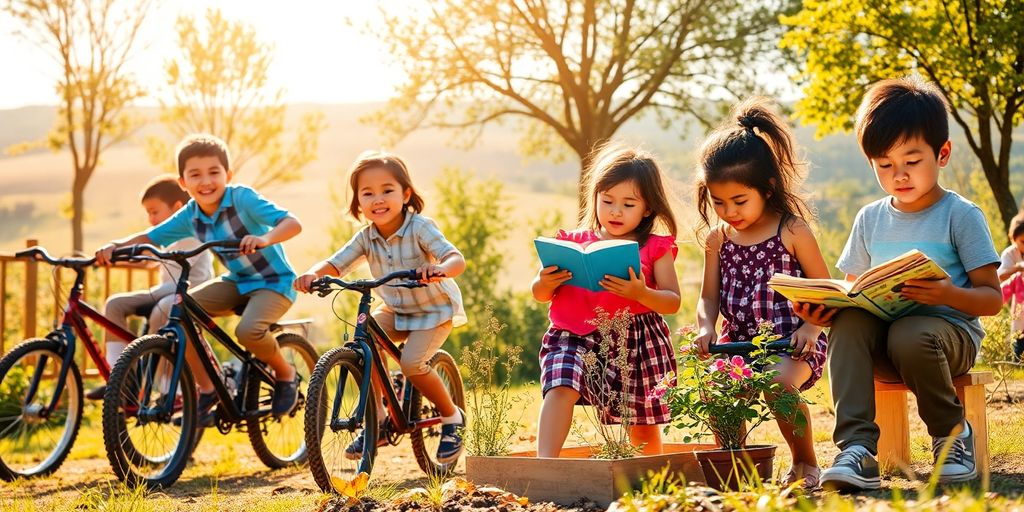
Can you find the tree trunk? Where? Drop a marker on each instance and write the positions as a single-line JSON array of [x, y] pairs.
[[77, 211], [999, 181]]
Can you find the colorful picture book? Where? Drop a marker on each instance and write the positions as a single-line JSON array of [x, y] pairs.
[[876, 290], [590, 264]]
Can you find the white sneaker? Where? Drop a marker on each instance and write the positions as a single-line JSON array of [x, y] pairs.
[[959, 462]]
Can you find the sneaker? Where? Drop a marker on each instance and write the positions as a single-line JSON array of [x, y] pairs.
[[959, 465], [354, 450], [96, 393], [205, 408], [286, 396], [451, 441], [811, 475], [854, 469]]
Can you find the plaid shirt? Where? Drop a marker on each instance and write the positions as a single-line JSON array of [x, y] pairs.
[[243, 211], [417, 242]]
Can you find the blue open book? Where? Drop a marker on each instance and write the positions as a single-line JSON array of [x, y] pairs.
[[590, 264]]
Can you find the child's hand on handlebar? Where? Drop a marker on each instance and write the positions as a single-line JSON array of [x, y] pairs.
[[430, 273], [252, 243], [804, 341], [704, 340], [303, 282], [105, 253]]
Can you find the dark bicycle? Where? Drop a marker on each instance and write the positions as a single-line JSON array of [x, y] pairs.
[[150, 410], [41, 385], [342, 400]]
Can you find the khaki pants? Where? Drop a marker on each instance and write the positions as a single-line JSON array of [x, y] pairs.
[[420, 346], [923, 352], [219, 297]]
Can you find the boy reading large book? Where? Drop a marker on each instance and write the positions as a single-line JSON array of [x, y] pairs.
[[876, 290], [590, 264]]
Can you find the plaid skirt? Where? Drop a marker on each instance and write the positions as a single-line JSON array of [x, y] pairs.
[[650, 358]]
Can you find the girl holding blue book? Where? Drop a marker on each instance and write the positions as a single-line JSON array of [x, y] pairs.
[[626, 200]]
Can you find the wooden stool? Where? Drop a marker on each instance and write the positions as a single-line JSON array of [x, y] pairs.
[[892, 420]]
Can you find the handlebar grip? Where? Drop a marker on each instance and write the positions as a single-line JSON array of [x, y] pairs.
[[31, 252], [227, 244], [745, 347]]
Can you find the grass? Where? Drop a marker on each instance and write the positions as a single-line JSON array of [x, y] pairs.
[[226, 475]]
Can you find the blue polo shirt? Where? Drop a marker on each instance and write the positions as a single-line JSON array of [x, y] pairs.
[[242, 211]]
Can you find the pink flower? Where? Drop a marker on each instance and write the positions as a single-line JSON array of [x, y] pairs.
[[686, 349], [686, 330], [662, 386], [739, 370], [718, 365]]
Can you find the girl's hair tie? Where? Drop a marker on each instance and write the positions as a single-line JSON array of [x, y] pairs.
[[747, 122]]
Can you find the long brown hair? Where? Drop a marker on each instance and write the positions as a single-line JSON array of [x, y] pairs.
[[755, 150], [373, 159], [613, 163]]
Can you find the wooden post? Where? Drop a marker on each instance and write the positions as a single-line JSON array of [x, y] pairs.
[[973, 399], [894, 438], [31, 285], [3, 305]]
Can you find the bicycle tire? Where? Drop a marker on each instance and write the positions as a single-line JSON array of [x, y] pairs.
[[127, 460], [289, 425], [444, 364], [325, 464], [13, 411]]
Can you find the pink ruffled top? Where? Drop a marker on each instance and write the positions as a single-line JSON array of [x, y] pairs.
[[572, 306]]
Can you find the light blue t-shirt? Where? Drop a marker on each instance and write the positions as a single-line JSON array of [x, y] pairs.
[[952, 232]]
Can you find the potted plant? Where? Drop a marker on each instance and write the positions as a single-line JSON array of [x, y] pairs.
[[728, 397]]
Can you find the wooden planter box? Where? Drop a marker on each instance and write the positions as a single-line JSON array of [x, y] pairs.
[[575, 475]]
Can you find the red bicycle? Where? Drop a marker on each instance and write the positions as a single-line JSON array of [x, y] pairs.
[[41, 386]]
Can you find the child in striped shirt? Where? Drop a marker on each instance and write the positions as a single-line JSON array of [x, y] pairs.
[[399, 238]]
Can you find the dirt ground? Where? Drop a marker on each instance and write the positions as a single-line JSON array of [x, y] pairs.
[[225, 474]]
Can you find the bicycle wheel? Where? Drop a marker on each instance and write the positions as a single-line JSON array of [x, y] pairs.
[[425, 441], [334, 392], [279, 442], [144, 447], [33, 443]]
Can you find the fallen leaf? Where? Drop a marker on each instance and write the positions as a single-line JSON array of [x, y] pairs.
[[351, 488]]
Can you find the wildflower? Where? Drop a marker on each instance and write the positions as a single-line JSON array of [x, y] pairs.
[[739, 370], [589, 358], [718, 365], [686, 330]]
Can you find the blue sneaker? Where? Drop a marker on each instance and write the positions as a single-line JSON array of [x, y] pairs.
[[354, 450], [451, 441]]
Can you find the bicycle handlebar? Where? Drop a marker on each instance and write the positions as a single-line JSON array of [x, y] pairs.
[[743, 348], [135, 251], [38, 253], [323, 285]]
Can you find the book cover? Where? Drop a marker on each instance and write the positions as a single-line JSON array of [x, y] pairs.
[[876, 290], [590, 264]]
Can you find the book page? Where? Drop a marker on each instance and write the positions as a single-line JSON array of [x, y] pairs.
[[884, 293], [830, 297]]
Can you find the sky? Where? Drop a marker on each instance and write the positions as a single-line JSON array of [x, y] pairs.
[[314, 58]]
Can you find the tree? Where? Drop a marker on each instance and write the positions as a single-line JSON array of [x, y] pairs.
[[218, 83], [973, 51], [91, 41], [574, 70]]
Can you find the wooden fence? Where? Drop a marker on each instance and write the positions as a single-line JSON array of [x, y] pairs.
[[31, 310]]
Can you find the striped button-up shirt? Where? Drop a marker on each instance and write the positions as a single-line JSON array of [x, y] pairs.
[[243, 211], [417, 242]]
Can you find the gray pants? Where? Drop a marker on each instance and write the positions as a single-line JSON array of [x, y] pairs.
[[923, 352], [122, 305]]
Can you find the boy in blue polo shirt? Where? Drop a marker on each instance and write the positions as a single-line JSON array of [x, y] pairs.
[[259, 274]]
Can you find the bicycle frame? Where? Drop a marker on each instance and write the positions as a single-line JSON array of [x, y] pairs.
[[185, 325], [72, 323], [367, 337]]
